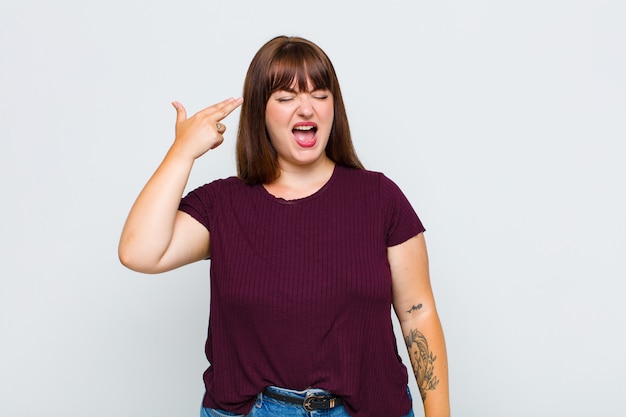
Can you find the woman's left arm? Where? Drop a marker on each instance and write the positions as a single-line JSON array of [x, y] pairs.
[[414, 304]]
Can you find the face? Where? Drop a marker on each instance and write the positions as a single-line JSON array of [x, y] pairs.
[[299, 125]]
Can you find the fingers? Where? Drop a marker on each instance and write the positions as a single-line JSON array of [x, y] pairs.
[[181, 113], [224, 109], [216, 112], [202, 131], [220, 110]]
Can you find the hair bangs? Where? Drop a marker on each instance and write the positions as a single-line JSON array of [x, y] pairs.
[[298, 68]]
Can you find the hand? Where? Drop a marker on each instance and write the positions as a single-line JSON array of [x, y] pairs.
[[202, 131]]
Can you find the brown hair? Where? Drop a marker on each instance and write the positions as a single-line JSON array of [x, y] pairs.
[[279, 64]]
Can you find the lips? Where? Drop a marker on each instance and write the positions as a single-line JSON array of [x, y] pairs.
[[305, 134]]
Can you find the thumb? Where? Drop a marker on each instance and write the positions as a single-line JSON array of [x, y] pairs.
[[181, 113]]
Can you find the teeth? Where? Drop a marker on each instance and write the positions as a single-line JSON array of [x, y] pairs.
[[303, 128]]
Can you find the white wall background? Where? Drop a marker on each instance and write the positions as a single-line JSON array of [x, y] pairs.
[[503, 121]]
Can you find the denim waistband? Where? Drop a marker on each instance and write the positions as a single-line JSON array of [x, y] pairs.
[[298, 394], [268, 407]]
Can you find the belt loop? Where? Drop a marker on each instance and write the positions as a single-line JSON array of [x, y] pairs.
[[259, 400]]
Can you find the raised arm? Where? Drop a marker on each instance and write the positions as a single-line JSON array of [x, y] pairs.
[[414, 304], [157, 237]]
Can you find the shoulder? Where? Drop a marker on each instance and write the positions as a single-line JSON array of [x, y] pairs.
[[230, 183], [215, 192], [219, 186], [365, 178], [208, 200], [360, 176], [364, 174]]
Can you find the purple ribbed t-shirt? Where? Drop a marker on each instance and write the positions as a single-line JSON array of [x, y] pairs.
[[301, 291]]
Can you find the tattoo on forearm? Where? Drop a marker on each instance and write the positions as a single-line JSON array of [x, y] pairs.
[[414, 308], [422, 360]]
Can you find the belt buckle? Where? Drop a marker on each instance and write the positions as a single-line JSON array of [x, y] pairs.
[[307, 404]]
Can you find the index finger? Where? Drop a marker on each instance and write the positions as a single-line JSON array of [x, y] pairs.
[[224, 108]]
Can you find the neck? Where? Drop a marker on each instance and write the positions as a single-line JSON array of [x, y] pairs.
[[299, 182]]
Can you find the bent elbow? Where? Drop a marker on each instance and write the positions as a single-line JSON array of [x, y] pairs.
[[126, 259], [132, 261]]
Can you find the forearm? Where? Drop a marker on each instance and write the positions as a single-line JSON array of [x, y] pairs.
[[150, 223], [425, 343]]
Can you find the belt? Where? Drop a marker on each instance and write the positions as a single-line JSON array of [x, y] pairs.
[[310, 402]]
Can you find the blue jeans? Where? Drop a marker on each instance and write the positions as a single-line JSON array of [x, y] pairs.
[[269, 407]]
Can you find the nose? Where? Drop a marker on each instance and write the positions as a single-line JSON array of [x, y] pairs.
[[305, 108]]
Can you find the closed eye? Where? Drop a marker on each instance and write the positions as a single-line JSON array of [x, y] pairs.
[[320, 94]]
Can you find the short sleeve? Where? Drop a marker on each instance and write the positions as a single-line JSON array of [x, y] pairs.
[[401, 220], [199, 204]]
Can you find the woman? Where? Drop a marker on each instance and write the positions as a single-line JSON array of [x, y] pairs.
[[308, 252]]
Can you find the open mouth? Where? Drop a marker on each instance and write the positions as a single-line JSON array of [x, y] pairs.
[[305, 134]]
